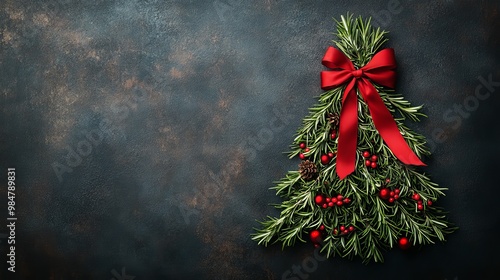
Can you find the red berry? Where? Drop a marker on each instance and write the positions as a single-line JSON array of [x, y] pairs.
[[419, 202], [315, 236], [325, 159], [420, 207], [404, 243], [339, 203], [334, 199], [416, 196], [373, 164], [302, 145], [368, 163], [330, 204], [366, 154], [387, 180], [325, 206], [302, 156], [396, 191], [333, 135], [391, 193], [351, 228], [342, 228], [330, 155], [374, 158], [347, 200], [319, 199], [396, 196], [391, 200], [307, 150], [327, 199], [429, 202], [384, 193], [322, 227], [340, 197]]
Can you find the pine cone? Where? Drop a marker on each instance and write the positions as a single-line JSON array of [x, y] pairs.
[[334, 120], [308, 170]]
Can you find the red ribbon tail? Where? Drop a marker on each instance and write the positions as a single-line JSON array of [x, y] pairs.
[[348, 132], [386, 125]]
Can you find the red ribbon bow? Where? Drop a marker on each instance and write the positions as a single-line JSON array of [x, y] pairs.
[[381, 71]]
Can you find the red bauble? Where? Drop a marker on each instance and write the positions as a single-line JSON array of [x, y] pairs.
[[391, 193], [334, 199], [366, 154], [387, 180], [342, 228], [429, 202], [347, 200], [346, 231], [374, 158], [384, 193], [328, 199], [368, 163], [391, 200], [331, 155], [325, 159], [307, 150], [302, 156], [325, 205], [404, 243], [302, 145], [373, 164], [315, 236], [396, 196], [420, 207], [319, 199], [351, 228], [416, 196], [420, 202], [340, 197], [339, 203], [322, 227], [330, 204], [333, 135], [396, 191]]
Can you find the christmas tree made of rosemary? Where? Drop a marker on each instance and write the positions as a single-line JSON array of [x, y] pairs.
[[384, 202]]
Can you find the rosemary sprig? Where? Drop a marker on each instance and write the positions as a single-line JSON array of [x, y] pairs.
[[378, 224]]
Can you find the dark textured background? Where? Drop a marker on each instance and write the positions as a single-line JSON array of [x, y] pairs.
[[198, 100]]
